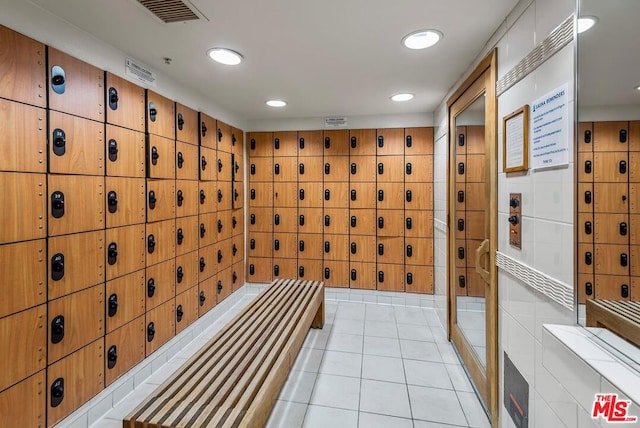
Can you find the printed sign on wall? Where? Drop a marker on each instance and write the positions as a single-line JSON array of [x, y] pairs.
[[549, 136]]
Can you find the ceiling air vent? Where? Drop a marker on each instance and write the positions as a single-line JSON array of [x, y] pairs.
[[172, 10]]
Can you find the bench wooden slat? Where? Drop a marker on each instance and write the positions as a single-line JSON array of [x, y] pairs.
[[618, 316], [621, 308], [235, 378]]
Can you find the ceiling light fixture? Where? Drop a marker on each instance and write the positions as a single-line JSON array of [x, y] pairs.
[[401, 97], [586, 23], [638, 88], [225, 56], [276, 103], [422, 39]]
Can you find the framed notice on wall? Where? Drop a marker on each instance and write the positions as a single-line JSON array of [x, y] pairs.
[[515, 135]]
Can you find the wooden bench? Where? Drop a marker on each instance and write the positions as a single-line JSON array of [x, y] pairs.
[[621, 317], [235, 379]]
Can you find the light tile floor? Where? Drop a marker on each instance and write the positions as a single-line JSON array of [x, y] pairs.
[[370, 366]]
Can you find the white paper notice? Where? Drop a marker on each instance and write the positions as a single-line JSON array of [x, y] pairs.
[[515, 140], [550, 129]]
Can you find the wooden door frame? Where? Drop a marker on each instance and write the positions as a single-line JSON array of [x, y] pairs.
[[472, 84]]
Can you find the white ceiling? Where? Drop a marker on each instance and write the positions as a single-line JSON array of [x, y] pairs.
[[331, 57], [608, 54]]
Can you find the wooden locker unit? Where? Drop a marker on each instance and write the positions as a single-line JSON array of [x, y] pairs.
[[224, 196], [224, 226], [23, 69], [161, 284], [611, 287], [187, 124], [391, 169], [634, 136], [225, 138], [161, 157], [474, 168], [336, 195], [75, 321], [75, 87], [390, 250], [126, 152], [310, 220], [471, 247], [161, 200], [161, 117], [474, 224], [418, 169], [76, 262], [207, 291], [634, 163], [460, 279], [25, 335], [285, 144], [238, 195], [261, 170], [237, 249], [418, 196], [586, 228], [160, 241], [418, 224], [336, 247], [285, 220], [125, 103], [261, 194], [418, 279], [259, 269], [310, 270], [390, 277], [207, 197], [421, 252], [285, 268], [336, 221], [362, 222], [208, 131], [207, 164], [237, 222], [311, 143], [285, 245], [337, 169], [586, 286], [362, 142], [285, 169], [224, 166], [28, 278], [285, 195], [336, 273], [390, 141], [634, 253], [310, 246], [610, 259], [187, 161], [460, 225], [186, 308], [585, 137], [77, 378], [224, 286], [585, 167], [310, 195], [260, 244], [610, 197], [31, 393], [160, 326], [187, 234], [362, 248], [362, 169], [76, 204], [461, 252], [237, 149], [390, 223], [310, 169], [585, 197], [474, 196], [475, 284], [125, 299], [207, 266], [418, 141], [28, 125], [187, 198], [362, 195], [390, 195], [610, 136], [611, 167], [335, 142], [207, 233], [260, 144], [186, 271], [611, 229], [224, 254], [586, 258], [125, 201], [362, 275], [124, 348], [26, 207]]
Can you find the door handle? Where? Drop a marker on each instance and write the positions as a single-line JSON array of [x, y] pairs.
[[380, 168], [202, 264], [220, 135], [57, 392], [301, 141], [301, 169], [179, 198], [153, 112], [179, 274], [203, 163], [203, 129], [327, 273], [234, 250], [276, 144], [151, 244], [179, 313], [154, 155], [203, 230], [58, 78], [354, 142], [152, 199], [113, 98], [113, 150], [112, 253], [180, 236], [180, 160], [202, 298], [482, 269], [380, 141], [112, 201], [327, 168], [203, 197], [220, 287], [408, 141], [220, 165], [57, 204], [151, 287], [180, 121], [59, 142], [151, 331], [57, 329], [219, 195], [327, 221], [408, 168], [113, 305], [57, 267], [327, 142], [219, 226]]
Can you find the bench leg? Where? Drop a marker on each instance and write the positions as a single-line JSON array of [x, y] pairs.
[[318, 321]]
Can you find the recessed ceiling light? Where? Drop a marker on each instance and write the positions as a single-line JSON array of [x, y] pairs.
[[225, 56], [401, 97], [422, 39], [638, 88], [276, 103], [586, 22]]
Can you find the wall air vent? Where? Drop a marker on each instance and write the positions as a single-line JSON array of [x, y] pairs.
[[172, 10]]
